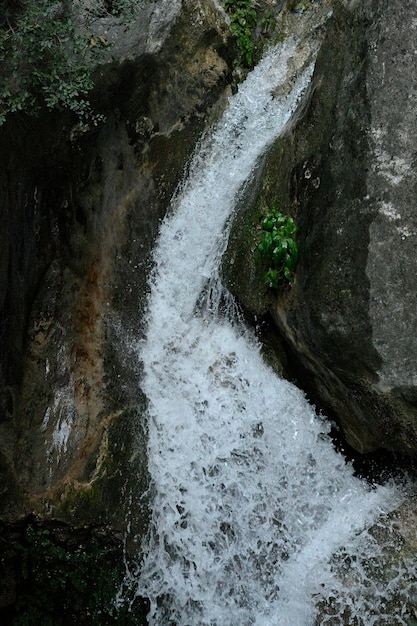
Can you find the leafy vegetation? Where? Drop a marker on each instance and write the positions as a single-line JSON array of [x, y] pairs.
[[252, 24], [45, 62], [277, 248], [243, 21]]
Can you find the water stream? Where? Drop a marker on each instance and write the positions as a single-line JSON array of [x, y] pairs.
[[249, 498]]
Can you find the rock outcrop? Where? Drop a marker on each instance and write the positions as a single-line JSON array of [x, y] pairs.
[[346, 171], [80, 209]]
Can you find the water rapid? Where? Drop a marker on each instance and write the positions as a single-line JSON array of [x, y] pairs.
[[249, 499]]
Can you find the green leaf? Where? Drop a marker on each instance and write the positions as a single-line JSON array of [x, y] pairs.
[[271, 278], [288, 274], [277, 248]]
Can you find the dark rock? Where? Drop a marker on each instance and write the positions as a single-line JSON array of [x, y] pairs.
[[346, 171], [80, 209], [56, 573]]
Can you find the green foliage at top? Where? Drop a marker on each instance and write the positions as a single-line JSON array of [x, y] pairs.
[[243, 19], [277, 248], [44, 60]]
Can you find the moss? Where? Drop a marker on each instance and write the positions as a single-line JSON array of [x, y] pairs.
[[117, 471], [67, 576]]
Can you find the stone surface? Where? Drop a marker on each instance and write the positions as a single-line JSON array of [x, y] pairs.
[[54, 573], [80, 209], [346, 172], [382, 573]]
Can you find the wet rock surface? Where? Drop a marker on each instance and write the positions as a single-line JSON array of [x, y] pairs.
[[54, 573], [346, 172], [80, 209]]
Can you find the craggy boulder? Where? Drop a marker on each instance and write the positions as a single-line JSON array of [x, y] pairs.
[[80, 208], [346, 171]]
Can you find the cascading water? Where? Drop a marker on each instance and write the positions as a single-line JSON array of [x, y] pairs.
[[250, 500]]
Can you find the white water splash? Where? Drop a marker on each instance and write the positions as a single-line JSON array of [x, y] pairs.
[[250, 499]]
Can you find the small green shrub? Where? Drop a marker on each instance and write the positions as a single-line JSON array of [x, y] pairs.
[[277, 248], [45, 62], [243, 21]]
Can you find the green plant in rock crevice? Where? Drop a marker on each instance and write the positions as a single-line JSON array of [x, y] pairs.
[[277, 248], [243, 21]]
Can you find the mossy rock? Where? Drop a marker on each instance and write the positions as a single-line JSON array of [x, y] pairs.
[[65, 576], [118, 475]]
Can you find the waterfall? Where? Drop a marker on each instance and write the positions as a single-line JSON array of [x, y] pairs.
[[249, 498]]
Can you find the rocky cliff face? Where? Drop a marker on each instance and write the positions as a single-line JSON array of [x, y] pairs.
[[346, 171], [80, 207], [80, 210]]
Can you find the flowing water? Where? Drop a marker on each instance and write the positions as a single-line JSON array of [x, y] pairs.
[[250, 500]]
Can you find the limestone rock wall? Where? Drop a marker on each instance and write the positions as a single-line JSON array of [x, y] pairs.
[[80, 210], [346, 172]]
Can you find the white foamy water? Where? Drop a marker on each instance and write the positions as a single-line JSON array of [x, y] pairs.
[[250, 500]]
